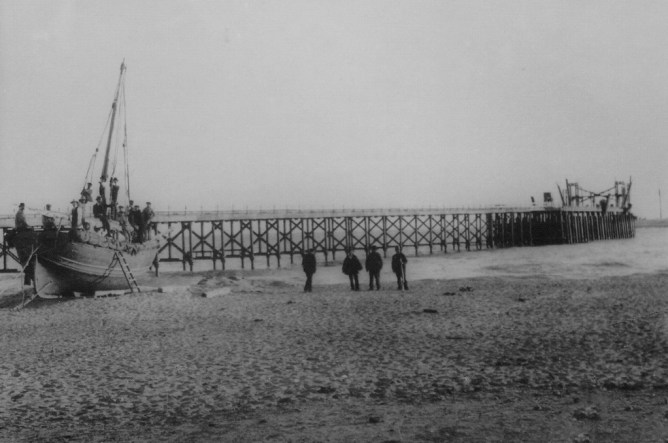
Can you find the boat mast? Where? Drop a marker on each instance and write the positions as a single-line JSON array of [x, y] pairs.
[[103, 177]]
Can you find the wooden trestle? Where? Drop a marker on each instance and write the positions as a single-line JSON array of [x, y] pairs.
[[259, 235]]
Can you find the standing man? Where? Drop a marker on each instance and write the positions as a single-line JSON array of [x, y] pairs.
[[20, 219], [373, 265], [131, 216], [147, 216], [308, 264], [100, 211], [139, 221], [75, 214], [123, 221], [114, 196], [399, 268], [351, 267]]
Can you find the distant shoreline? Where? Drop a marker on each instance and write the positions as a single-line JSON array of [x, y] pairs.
[[653, 223]]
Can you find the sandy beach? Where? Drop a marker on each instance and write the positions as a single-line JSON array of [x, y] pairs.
[[246, 356]]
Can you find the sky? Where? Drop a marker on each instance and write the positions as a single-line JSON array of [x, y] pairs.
[[330, 104]]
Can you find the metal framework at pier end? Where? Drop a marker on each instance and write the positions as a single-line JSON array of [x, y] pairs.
[[271, 235]]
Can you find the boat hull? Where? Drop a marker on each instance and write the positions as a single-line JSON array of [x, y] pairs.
[[66, 263]]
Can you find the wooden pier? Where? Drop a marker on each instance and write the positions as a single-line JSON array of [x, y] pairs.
[[250, 236]]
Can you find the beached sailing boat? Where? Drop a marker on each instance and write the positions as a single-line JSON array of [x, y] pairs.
[[63, 260]]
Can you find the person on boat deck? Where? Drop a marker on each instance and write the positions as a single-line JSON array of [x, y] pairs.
[[99, 211], [131, 216], [147, 215], [103, 195], [114, 196], [123, 221], [48, 223], [87, 193], [83, 212], [20, 219], [75, 214], [139, 221]]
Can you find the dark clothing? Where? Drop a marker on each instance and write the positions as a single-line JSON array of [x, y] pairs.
[[309, 282], [103, 194], [354, 281], [351, 265], [398, 261], [48, 223], [100, 211], [374, 262], [75, 218], [401, 279], [399, 268], [114, 194], [20, 220], [373, 265], [137, 222], [308, 264], [374, 276]]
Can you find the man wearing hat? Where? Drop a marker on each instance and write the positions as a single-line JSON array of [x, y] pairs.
[[373, 265], [20, 219]]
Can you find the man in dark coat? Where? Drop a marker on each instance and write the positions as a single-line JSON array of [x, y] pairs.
[[100, 211], [351, 267], [308, 264], [114, 196], [373, 265], [399, 268], [139, 221]]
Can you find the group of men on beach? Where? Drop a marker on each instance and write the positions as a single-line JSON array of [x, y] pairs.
[[352, 266], [135, 224]]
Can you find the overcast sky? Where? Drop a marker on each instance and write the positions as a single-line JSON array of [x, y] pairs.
[[334, 103]]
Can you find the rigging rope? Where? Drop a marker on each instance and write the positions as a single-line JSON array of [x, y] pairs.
[[125, 148]]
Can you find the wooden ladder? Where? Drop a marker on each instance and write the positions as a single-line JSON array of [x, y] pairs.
[[126, 271]]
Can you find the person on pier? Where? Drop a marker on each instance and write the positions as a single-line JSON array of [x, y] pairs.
[[373, 265], [308, 264], [352, 267], [399, 261]]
